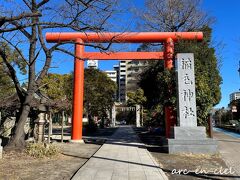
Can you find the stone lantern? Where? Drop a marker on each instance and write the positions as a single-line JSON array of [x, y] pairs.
[[41, 120]]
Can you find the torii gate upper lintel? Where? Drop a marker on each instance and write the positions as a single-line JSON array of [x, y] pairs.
[[168, 38]]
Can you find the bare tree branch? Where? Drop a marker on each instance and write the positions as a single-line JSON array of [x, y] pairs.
[[66, 52], [27, 4], [47, 53], [174, 15], [42, 3], [20, 28], [51, 25], [17, 49], [87, 4], [44, 69], [5, 19]]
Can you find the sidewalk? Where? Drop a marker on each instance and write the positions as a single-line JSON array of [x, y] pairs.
[[229, 148], [121, 157]]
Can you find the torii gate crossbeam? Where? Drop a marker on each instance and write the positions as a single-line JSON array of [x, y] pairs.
[[168, 38], [123, 56]]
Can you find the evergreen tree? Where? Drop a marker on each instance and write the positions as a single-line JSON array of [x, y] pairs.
[[6, 84], [98, 93], [58, 88], [155, 81]]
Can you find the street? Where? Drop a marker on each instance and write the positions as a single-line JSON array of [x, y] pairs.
[[229, 148]]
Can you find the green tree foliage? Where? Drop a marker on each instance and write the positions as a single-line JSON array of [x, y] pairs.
[[58, 88], [6, 84], [222, 116], [155, 81], [56, 85], [208, 79], [136, 97], [98, 92]]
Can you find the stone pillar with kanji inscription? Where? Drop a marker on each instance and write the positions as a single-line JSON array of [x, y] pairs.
[[187, 137], [186, 91]]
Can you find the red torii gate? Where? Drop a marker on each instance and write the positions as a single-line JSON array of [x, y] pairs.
[[168, 38]]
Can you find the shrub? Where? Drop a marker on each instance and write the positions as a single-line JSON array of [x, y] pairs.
[[41, 150]]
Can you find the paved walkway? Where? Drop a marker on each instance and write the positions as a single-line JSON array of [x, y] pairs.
[[121, 157], [229, 148]]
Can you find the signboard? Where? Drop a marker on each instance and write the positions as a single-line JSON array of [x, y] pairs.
[[234, 108], [122, 108], [85, 120], [187, 113], [92, 63]]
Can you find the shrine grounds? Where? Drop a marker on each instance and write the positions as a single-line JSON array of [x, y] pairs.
[[18, 165]]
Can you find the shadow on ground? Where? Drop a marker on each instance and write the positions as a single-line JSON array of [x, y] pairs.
[[98, 136], [184, 166], [16, 165]]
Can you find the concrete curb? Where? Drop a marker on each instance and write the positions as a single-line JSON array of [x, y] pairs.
[[156, 164]]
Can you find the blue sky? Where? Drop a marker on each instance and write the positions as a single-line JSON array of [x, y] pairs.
[[226, 30]]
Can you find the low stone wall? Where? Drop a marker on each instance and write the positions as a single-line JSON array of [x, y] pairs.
[[1, 148]]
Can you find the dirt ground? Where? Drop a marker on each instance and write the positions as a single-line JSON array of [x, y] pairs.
[[195, 166], [16, 165], [174, 164]]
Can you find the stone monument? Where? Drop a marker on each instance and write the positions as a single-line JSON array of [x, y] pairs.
[[187, 137]]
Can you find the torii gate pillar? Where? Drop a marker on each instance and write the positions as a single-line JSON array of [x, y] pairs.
[[78, 92], [170, 118]]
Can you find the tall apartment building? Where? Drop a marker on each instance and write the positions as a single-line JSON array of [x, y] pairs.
[[127, 75], [122, 81], [116, 68], [118, 75], [133, 71], [112, 74], [234, 96]]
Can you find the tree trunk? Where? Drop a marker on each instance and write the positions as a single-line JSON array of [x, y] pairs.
[[50, 126], [63, 118], [17, 141], [0, 118]]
